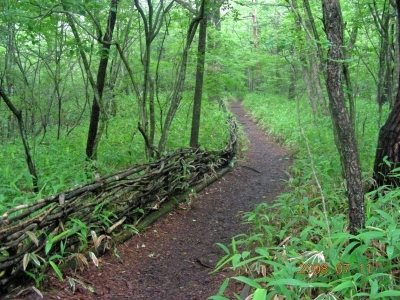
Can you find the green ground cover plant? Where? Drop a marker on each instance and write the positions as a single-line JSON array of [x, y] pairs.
[[299, 247], [61, 163]]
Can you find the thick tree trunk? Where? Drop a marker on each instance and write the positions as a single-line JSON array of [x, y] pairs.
[[347, 144], [388, 150], [198, 91], [93, 138]]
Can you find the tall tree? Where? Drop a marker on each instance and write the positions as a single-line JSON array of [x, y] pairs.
[[18, 114], [198, 91], [176, 95], [387, 155], [152, 23], [93, 134], [343, 128], [312, 59]]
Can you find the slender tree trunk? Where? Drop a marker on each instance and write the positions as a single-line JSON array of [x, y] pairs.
[[94, 134], [198, 91], [18, 114], [152, 112], [315, 57], [177, 93], [152, 22], [293, 82], [382, 19], [347, 145]]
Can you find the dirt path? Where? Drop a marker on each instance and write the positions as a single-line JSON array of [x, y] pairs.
[[173, 258]]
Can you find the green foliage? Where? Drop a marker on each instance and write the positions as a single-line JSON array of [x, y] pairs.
[[289, 251], [61, 163], [294, 258], [284, 120]]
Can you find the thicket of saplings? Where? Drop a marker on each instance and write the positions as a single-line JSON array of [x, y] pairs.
[[61, 164], [303, 249]]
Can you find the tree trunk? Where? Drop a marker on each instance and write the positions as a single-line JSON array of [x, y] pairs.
[[347, 145], [198, 91], [93, 138], [292, 85], [388, 150], [346, 74], [177, 92], [18, 114], [315, 58], [152, 22]]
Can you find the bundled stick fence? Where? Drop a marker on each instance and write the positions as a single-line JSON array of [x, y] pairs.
[[65, 220]]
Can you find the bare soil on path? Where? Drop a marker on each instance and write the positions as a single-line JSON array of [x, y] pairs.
[[173, 258]]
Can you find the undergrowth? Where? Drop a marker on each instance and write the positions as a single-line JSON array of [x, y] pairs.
[[61, 163], [299, 247]]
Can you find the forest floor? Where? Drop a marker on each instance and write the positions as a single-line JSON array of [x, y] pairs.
[[173, 258]]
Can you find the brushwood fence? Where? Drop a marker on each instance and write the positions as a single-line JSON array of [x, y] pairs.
[[39, 230]]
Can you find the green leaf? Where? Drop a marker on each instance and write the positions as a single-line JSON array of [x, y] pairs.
[[385, 216], [48, 246], [248, 281], [390, 251], [223, 286], [388, 294], [374, 287], [343, 286], [361, 294], [260, 294], [296, 282], [217, 297], [55, 256], [57, 270], [222, 262], [223, 247], [34, 259], [263, 252]]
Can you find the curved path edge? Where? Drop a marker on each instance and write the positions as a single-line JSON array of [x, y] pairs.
[[174, 257]]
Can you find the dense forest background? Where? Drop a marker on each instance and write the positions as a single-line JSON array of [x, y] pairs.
[[92, 87], [105, 80], [115, 74]]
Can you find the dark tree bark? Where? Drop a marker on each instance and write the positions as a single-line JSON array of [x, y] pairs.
[[18, 114], [388, 150], [347, 145], [382, 19], [198, 91], [92, 140], [346, 74]]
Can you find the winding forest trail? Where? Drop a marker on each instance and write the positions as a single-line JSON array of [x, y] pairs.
[[174, 257]]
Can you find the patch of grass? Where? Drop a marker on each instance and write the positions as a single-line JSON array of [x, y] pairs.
[[285, 120], [298, 250], [290, 253], [61, 164]]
